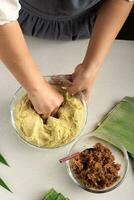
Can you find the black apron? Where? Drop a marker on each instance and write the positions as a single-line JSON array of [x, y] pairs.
[[58, 19]]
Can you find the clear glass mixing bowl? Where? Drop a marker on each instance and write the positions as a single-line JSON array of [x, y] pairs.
[[21, 92]]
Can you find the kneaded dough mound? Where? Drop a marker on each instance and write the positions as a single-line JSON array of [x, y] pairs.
[[56, 131]]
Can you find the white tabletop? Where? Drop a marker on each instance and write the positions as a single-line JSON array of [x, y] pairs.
[[33, 171]]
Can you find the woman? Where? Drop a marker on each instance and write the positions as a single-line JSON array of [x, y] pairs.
[[58, 19]]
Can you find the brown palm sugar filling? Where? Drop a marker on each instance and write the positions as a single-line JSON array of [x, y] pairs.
[[96, 167]]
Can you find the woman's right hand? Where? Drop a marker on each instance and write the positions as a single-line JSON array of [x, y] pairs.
[[46, 100]]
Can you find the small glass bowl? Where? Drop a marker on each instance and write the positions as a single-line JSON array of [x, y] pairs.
[[21, 92], [88, 141]]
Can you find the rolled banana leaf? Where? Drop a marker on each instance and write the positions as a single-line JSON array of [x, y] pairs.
[[118, 125]]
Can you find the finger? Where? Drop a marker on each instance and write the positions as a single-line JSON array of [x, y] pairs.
[[56, 80], [45, 115], [68, 77], [86, 94], [37, 110], [53, 114], [63, 80], [74, 89]]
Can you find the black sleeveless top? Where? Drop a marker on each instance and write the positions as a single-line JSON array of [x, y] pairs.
[[58, 19]]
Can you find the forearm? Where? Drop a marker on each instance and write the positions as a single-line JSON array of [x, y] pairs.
[[15, 54], [110, 19]]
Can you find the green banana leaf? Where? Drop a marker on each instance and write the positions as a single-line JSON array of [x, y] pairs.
[[4, 185], [118, 125], [132, 156], [3, 161], [52, 194]]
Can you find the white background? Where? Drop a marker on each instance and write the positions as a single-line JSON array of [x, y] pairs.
[[33, 171]]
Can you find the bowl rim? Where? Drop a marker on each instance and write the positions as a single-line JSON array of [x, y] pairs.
[[92, 190], [12, 121]]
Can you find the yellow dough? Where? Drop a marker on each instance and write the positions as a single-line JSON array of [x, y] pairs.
[[56, 131]]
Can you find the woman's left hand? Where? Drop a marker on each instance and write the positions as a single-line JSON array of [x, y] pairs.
[[82, 79]]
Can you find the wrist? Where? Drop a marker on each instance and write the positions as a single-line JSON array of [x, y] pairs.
[[91, 65], [38, 88]]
